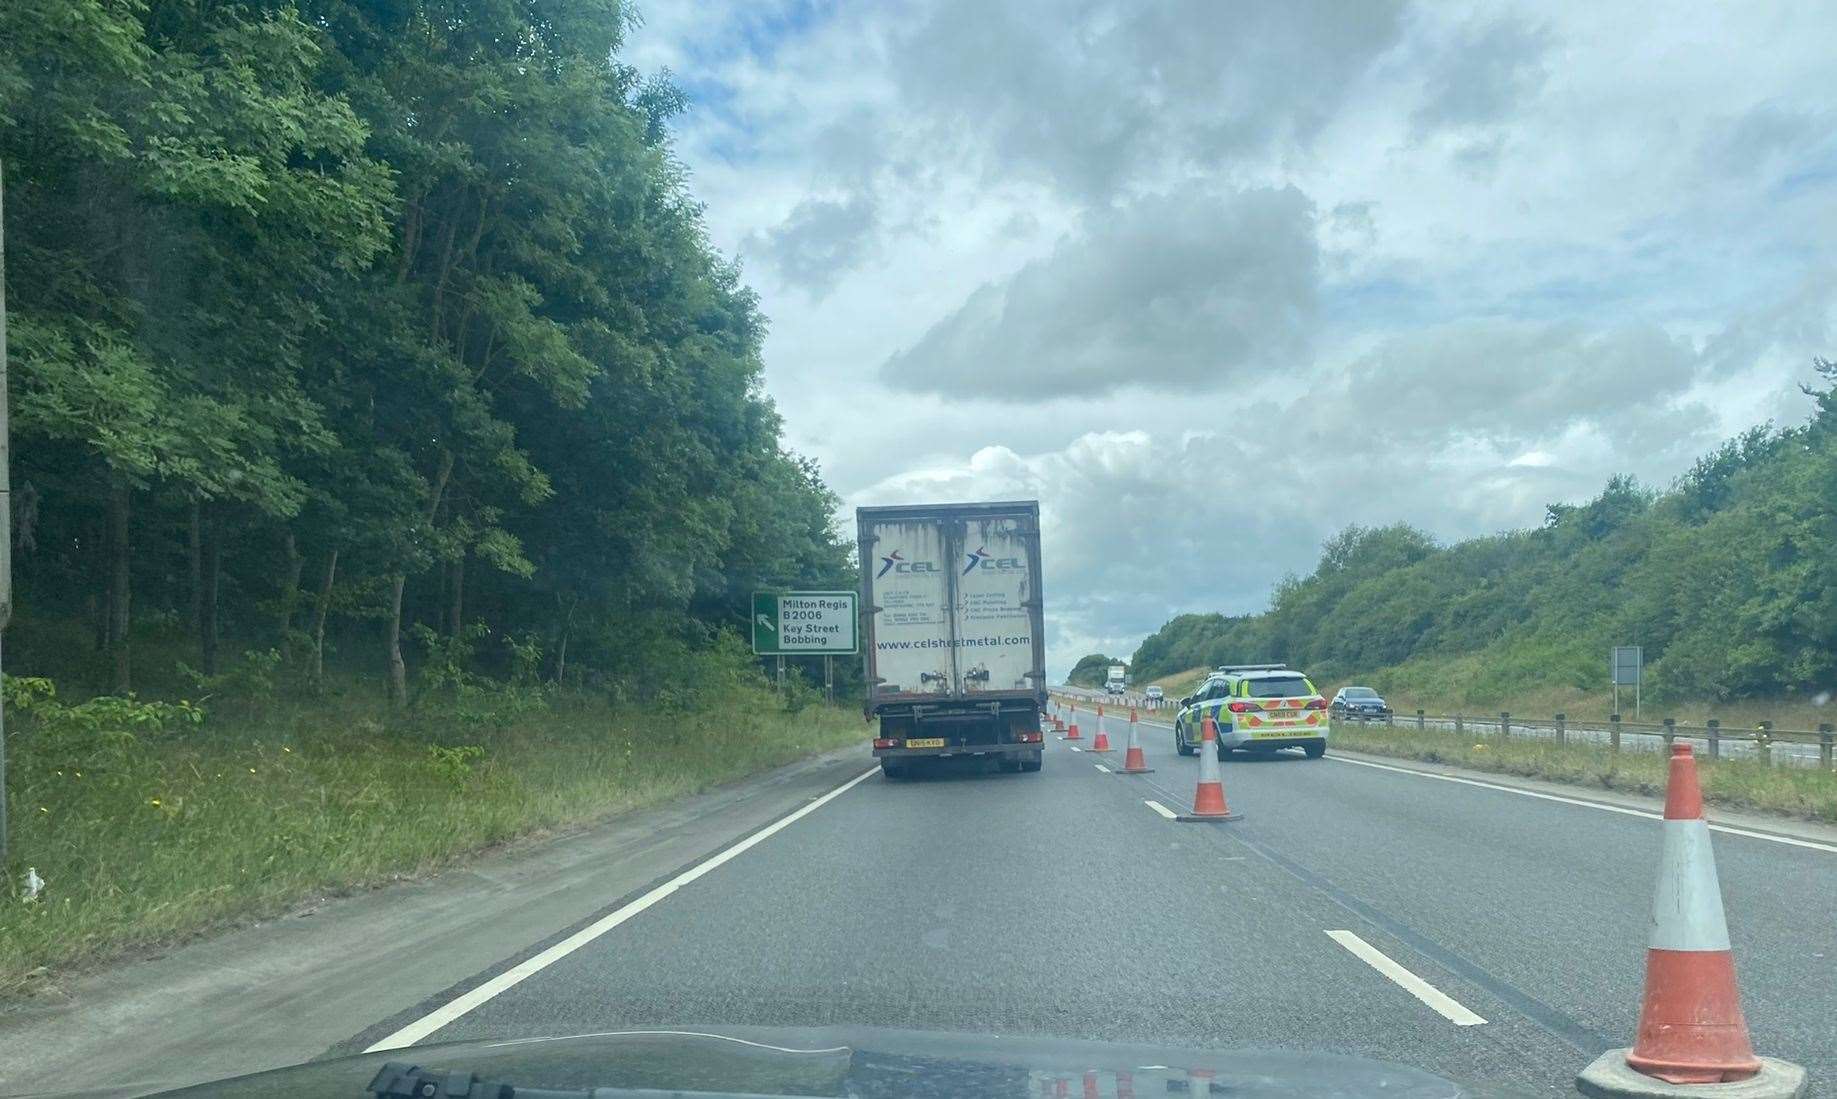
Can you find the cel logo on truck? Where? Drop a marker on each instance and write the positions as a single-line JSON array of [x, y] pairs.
[[982, 558], [896, 563]]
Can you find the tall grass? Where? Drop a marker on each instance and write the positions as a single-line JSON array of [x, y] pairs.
[[176, 829], [1743, 784]]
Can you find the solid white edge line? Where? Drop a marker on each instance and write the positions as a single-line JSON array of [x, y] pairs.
[[1440, 1002], [1161, 809], [1586, 804], [466, 1002], [1102, 768]]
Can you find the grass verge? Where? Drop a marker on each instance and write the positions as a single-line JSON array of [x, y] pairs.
[[165, 836], [1803, 792]]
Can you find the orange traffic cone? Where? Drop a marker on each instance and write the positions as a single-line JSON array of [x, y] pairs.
[[1691, 1030], [1209, 798], [1071, 730], [1101, 743], [1133, 761]]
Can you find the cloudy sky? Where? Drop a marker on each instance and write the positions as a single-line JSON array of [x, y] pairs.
[[1212, 280]]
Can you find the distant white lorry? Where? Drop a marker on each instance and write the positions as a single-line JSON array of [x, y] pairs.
[[1117, 680]]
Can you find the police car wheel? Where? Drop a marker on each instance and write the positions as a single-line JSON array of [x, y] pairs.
[[1181, 745], [1314, 751]]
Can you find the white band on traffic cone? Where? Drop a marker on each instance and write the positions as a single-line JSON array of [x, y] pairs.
[[1687, 903]]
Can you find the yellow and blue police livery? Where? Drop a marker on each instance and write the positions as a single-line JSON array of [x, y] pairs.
[[1257, 708]]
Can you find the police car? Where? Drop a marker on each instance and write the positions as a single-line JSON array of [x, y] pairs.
[[1258, 708]]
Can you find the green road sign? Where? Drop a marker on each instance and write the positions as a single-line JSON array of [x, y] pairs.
[[805, 622]]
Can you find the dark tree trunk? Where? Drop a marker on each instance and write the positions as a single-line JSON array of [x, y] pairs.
[[290, 586], [392, 632], [213, 575], [118, 593], [320, 611], [392, 644], [561, 648], [456, 609]]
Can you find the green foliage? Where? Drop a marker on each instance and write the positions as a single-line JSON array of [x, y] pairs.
[[414, 288], [1725, 579], [453, 764], [96, 733], [250, 679], [448, 690]]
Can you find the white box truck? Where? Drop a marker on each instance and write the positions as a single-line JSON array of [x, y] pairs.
[[1118, 679], [953, 632]]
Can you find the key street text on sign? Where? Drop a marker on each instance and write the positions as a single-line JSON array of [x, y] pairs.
[[805, 622]]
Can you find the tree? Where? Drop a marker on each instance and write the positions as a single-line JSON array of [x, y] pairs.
[[1091, 670]]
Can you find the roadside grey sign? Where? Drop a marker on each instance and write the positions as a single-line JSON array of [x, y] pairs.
[[1625, 665]]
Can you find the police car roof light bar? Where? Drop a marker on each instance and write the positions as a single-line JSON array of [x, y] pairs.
[[1253, 667]]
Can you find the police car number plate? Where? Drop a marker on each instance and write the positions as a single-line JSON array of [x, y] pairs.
[[1285, 713]]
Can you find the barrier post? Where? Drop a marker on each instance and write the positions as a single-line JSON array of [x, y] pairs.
[[1505, 724], [1420, 722], [1562, 733], [1825, 744], [1671, 732], [1763, 742], [1714, 736], [1613, 732]]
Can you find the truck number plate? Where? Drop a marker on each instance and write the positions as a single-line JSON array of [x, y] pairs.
[[925, 742]]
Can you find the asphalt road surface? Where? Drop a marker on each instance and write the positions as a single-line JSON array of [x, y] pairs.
[[1486, 934], [1063, 903]]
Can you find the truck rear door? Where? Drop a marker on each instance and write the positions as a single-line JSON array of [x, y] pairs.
[[913, 631], [994, 589]]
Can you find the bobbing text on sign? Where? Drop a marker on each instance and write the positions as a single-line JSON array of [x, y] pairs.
[[804, 622]]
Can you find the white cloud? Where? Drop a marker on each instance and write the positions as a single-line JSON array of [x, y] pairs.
[[1447, 268], [1185, 291]]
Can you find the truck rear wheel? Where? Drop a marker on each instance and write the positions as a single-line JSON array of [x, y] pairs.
[[1030, 764], [893, 770]]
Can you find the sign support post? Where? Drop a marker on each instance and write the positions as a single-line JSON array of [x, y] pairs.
[[1626, 666]]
